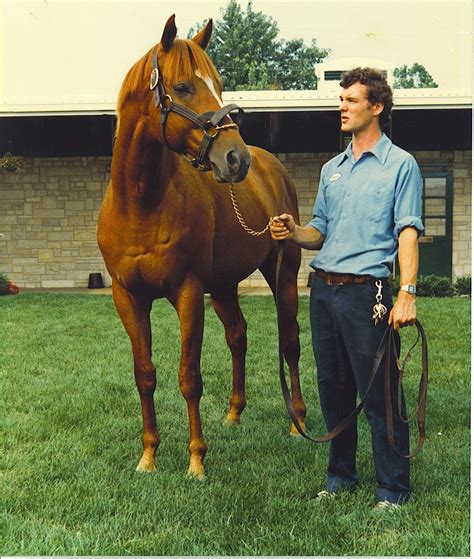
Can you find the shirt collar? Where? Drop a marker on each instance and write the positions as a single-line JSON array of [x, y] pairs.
[[380, 150]]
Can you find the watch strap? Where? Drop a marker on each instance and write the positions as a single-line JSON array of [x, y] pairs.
[[409, 288]]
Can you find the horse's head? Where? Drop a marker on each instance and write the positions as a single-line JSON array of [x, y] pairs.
[[186, 107]]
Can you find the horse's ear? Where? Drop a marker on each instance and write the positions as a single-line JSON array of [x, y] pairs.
[[203, 37], [169, 33]]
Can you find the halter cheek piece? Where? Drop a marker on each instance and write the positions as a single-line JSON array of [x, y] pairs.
[[208, 122]]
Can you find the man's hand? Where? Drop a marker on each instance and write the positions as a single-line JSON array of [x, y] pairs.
[[403, 312], [282, 227]]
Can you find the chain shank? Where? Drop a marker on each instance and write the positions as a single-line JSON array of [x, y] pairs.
[[240, 219]]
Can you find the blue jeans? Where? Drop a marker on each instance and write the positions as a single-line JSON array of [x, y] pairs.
[[345, 341]]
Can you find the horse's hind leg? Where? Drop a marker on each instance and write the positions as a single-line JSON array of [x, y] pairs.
[[226, 305], [288, 309], [135, 314]]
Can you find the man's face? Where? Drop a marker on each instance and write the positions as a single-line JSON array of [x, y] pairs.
[[357, 113]]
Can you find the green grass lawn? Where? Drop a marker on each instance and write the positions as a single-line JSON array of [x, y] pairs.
[[72, 427]]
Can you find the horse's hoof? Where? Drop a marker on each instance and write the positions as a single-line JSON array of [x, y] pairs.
[[196, 468], [294, 431], [296, 436], [146, 465], [195, 475], [231, 420]]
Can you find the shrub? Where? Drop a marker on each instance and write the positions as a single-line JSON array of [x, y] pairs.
[[462, 285], [3, 284], [7, 287], [11, 162], [428, 286], [434, 286]]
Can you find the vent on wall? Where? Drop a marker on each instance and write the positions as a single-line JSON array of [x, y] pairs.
[[332, 75], [336, 75]]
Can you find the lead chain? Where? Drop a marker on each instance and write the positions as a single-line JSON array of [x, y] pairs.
[[241, 220]]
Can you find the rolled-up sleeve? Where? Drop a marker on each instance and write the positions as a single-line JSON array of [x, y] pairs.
[[408, 192], [319, 219]]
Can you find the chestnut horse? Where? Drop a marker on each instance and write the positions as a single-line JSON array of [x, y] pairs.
[[167, 230]]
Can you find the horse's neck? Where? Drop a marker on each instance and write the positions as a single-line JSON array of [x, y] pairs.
[[138, 165]]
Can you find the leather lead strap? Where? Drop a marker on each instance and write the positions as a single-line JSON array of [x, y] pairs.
[[386, 349], [420, 411]]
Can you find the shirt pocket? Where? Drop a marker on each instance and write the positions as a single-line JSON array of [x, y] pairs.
[[375, 201], [334, 195]]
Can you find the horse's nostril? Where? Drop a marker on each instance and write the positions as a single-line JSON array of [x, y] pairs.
[[233, 160]]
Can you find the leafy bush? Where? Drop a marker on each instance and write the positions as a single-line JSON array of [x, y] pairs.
[[428, 286], [11, 162], [7, 287], [434, 286], [462, 285], [4, 284]]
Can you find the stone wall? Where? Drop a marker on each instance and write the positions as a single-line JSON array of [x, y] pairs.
[[48, 216], [49, 210], [462, 214]]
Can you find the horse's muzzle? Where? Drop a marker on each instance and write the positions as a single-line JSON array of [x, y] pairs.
[[231, 164]]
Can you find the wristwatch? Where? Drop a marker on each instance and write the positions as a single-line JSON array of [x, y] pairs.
[[409, 288]]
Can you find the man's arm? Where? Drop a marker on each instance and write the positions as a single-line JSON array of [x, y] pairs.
[[403, 312], [284, 227]]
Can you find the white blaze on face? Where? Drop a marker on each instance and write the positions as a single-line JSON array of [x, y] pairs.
[[210, 84]]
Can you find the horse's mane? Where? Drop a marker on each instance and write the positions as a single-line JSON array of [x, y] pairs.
[[179, 63]]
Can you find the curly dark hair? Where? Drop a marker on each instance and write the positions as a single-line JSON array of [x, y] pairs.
[[378, 89]]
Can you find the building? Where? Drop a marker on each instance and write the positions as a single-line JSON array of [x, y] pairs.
[[329, 72], [49, 208]]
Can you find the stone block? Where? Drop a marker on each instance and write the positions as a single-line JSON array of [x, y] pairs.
[[49, 213], [57, 283], [60, 236], [84, 235], [45, 255], [49, 203], [76, 205], [12, 194], [94, 185]]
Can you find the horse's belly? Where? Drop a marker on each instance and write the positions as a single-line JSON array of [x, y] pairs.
[[150, 271], [238, 258]]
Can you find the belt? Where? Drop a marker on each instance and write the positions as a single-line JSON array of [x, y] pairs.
[[341, 279]]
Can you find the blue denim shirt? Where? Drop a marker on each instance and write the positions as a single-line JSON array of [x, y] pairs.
[[362, 206]]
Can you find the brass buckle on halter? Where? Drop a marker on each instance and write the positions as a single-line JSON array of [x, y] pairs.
[[212, 136], [224, 126], [194, 162], [154, 78]]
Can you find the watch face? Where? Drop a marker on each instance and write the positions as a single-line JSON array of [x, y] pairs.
[[412, 289]]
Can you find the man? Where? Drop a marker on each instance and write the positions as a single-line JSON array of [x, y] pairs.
[[367, 209]]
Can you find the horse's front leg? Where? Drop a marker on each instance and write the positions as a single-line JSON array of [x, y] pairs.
[[189, 304], [135, 314]]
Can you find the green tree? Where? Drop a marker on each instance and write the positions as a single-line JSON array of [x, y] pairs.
[[415, 77], [248, 55]]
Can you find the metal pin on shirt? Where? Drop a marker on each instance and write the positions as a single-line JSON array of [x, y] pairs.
[[379, 310]]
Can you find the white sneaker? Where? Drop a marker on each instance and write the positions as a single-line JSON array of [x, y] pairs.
[[386, 506], [324, 495]]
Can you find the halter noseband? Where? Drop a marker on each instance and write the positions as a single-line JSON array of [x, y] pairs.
[[208, 122]]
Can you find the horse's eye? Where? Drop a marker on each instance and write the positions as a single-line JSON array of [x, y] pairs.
[[182, 88]]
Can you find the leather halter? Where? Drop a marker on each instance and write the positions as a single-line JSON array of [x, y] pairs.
[[208, 122]]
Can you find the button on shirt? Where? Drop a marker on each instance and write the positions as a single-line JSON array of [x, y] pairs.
[[362, 206]]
